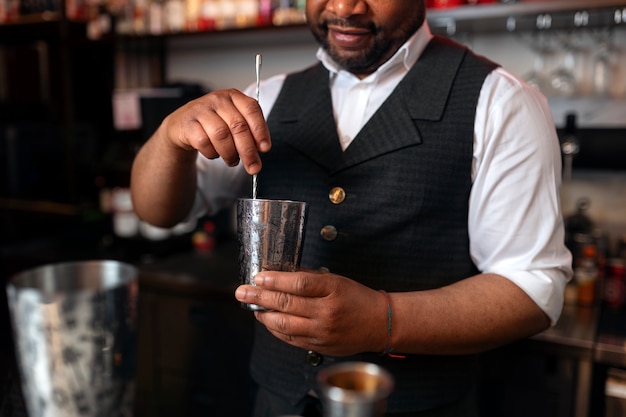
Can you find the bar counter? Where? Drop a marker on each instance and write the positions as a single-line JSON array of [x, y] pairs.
[[586, 337]]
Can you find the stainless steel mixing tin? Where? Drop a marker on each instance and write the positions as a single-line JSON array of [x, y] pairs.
[[270, 235], [75, 329]]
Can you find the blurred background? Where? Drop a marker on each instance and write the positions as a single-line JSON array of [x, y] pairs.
[[83, 83]]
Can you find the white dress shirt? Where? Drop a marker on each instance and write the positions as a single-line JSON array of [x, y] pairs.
[[515, 221]]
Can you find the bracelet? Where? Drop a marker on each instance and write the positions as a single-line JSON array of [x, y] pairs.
[[388, 348]]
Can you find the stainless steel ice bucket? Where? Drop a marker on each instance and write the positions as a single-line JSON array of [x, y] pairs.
[[75, 330]]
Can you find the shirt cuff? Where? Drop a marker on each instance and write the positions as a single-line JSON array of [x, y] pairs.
[[546, 288]]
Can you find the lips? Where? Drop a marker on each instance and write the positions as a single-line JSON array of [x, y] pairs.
[[349, 38]]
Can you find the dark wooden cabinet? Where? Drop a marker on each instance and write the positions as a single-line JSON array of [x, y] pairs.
[[194, 339], [193, 357], [55, 111]]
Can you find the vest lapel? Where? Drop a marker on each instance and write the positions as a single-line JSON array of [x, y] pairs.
[[312, 118], [421, 95], [432, 77]]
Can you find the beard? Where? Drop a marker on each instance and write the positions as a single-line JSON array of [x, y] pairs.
[[368, 59], [353, 61]]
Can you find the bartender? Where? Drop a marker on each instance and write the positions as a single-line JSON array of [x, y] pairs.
[[434, 227]]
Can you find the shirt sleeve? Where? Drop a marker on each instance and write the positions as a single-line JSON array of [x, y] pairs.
[[515, 220], [218, 186]]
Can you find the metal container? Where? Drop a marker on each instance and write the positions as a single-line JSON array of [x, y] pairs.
[[270, 235], [75, 330], [354, 389]]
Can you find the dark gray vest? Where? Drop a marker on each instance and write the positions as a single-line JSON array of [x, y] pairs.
[[403, 224]]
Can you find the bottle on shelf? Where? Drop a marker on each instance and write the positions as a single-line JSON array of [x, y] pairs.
[[586, 276], [208, 13], [174, 16], [614, 294], [155, 17]]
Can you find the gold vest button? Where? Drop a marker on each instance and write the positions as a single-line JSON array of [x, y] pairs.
[[329, 233], [337, 195]]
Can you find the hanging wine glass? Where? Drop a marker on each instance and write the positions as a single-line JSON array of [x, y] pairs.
[[543, 55], [618, 84], [605, 65], [561, 80], [582, 50]]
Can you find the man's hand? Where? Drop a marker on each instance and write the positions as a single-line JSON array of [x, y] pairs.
[[226, 124], [327, 313]]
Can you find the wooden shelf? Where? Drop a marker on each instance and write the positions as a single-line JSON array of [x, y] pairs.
[[481, 18], [45, 26]]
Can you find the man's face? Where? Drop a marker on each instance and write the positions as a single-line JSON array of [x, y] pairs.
[[362, 34]]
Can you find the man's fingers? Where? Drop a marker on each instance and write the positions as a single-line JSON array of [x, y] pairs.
[[303, 283], [251, 134], [227, 124], [276, 300]]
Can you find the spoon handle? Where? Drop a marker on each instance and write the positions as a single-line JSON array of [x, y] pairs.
[[259, 63]]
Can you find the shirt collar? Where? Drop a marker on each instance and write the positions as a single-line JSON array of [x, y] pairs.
[[407, 55]]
